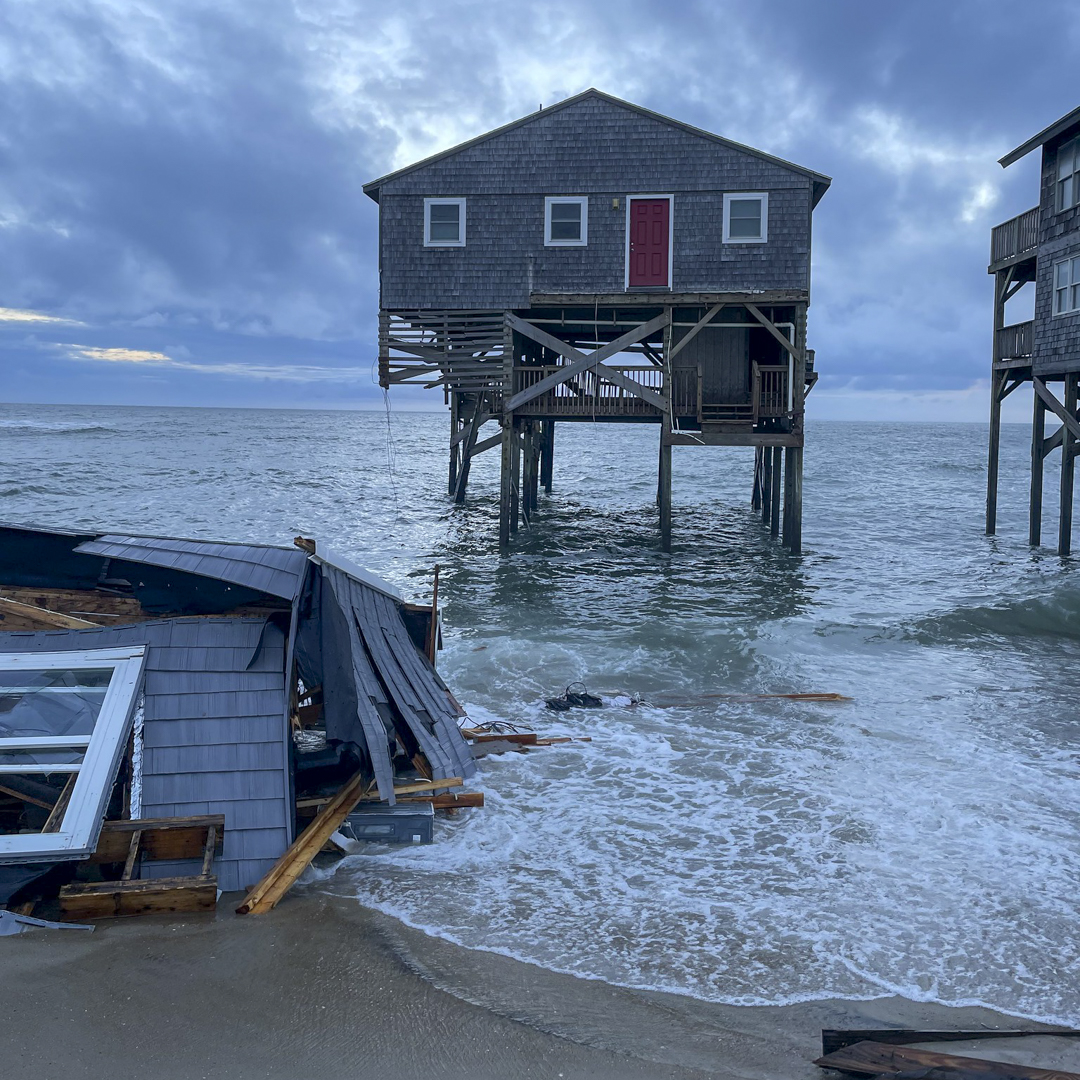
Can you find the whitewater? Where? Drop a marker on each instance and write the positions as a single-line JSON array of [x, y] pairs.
[[919, 839]]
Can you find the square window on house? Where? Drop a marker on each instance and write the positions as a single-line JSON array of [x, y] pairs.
[[566, 221], [1068, 175], [444, 223], [1067, 286], [746, 218], [64, 723]]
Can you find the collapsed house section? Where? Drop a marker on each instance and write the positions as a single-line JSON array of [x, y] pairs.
[[198, 691]]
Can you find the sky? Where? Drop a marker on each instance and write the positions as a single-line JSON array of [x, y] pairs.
[[182, 220]]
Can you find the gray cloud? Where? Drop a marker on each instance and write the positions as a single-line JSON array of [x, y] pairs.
[[189, 174]]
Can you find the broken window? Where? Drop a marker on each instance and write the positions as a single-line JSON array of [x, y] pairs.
[[64, 722]]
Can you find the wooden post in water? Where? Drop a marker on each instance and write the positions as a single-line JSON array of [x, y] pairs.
[[997, 385], [1068, 467], [793, 484], [1035, 501], [506, 485], [774, 498], [755, 498], [663, 494], [547, 455], [515, 478], [766, 484], [454, 453]]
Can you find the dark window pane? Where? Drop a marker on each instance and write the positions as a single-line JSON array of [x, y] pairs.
[[566, 230], [445, 219]]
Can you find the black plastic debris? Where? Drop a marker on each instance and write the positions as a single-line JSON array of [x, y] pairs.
[[576, 697]]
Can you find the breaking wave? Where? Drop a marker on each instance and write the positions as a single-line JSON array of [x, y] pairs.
[[1055, 615]]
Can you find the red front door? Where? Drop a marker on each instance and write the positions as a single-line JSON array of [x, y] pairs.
[[650, 223]]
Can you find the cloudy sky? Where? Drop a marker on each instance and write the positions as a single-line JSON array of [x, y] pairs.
[[181, 214]]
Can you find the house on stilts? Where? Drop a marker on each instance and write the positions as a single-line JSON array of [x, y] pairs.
[[1041, 247], [596, 261]]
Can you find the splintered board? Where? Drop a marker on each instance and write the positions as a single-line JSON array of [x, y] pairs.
[[882, 1059]]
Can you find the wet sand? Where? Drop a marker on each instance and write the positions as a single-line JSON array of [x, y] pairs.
[[323, 988]]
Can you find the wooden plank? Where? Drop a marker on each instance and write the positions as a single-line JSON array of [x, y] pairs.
[[1055, 406], [209, 850], [172, 839], [26, 798], [39, 616], [833, 1039], [485, 444], [693, 332], [56, 817], [522, 738], [452, 800], [133, 854], [581, 362], [772, 328], [881, 1059], [733, 438], [283, 874], [116, 899], [401, 789], [689, 299]]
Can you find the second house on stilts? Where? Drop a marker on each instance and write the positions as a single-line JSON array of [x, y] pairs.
[[596, 261]]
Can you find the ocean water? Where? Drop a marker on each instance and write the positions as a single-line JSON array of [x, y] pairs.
[[920, 839]]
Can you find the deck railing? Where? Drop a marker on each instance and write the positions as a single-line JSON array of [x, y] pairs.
[[1014, 342], [770, 391], [1015, 237], [585, 394]]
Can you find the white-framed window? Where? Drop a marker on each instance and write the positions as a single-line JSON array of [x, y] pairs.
[[444, 223], [566, 220], [64, 715], [746, 218], [1067, 286], [1068, 175]]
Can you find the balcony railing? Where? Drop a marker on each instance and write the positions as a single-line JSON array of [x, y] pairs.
[[586, 394], [1014, 342], [1014, 238]]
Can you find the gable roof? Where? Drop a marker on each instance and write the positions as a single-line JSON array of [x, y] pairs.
[[820, 181], [1069, 120]]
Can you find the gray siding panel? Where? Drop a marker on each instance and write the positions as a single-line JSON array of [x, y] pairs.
[[607, 152], [207, 749]]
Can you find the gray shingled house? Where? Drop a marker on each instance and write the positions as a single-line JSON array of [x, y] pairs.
[[200, 654], [1041, 248], [596, 261]]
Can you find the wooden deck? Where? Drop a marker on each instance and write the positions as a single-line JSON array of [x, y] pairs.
[[1015, 240]]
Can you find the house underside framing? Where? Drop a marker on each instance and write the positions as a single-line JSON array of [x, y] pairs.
[[711, 369]]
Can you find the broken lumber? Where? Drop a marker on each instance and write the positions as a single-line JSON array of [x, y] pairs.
[[112, 899], [39, 617], [420, 786], [833, 1039], [883, 1059], [452, 800], [283, 874]]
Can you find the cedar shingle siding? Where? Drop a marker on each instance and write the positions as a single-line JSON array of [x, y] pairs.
[[607, 151], [1056, 337]]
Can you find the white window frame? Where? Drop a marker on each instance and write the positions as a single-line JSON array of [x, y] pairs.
[[428, 204], [763, 198], [1071, 149], [1071, 290], [670, 242], [81, 822], [583, 202]]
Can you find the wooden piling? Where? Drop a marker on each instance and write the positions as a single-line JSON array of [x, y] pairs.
[[663, 486], [774, 498], [997, 385], [506, 485], [793, 468], [547, 455], [515, 477], [454, 452], [755, 497], [766, 484], [1068, 468], [1035, 500]]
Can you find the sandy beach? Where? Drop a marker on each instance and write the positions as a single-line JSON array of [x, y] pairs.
[[322, 987]]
